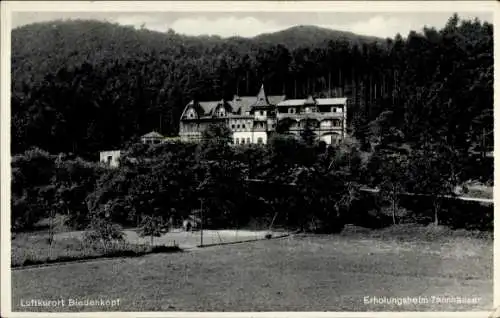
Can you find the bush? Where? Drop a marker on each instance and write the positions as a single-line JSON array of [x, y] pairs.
[[102, 231]]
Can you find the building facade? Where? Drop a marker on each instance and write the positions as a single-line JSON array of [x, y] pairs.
[[110, 158], [252, 119]]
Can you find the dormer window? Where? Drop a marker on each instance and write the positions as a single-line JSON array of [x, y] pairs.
[[191, 114]]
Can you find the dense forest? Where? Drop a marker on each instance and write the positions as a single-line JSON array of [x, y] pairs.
[[420, 112], [84, 86]]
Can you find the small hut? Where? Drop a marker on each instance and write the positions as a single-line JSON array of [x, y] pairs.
[[152, 138]]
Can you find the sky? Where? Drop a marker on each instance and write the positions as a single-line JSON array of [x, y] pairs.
[[249, 24]]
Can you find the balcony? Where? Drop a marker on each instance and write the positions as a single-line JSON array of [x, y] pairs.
[[317, 116], [261, 117]]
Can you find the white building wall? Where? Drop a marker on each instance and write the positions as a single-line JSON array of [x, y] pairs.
[[331, 139], [238, 136], [252, 136], [260, 134], [110, 158]]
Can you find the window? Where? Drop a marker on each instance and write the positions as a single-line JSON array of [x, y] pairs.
[[248, 140], [242, 141], [238, 126], [237, 141], [259, 140], [243, 126], [232, 126], [261, 113], [109, 159]]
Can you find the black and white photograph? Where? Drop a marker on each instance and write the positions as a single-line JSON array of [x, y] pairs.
[[197, 158]]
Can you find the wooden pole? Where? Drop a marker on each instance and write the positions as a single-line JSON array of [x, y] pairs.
[[201, 222]]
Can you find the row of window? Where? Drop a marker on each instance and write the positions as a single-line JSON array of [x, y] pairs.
[[222, 112], [313, 110], [257, 125], [248, 141], [327, 124], [237, 126]]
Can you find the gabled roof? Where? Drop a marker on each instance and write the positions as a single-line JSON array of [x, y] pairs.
[[199, 110], [152, 134], [242, 104], [208, 106]]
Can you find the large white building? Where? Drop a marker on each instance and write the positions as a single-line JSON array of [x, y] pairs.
[[253, 118]]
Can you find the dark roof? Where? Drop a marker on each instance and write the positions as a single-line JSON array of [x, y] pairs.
[[208, 106], [198, 108], [239, 105], [242, 104], [262, 100], [276, 99]]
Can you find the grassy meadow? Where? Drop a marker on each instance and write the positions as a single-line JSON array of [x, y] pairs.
[[296, 273]]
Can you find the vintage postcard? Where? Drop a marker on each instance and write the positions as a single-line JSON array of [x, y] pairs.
[[247, 159]]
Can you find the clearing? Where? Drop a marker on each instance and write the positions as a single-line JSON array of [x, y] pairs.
[[296, 273]]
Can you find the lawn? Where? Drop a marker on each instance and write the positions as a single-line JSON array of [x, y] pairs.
[[297, 273], [186, 240], [34, 248]]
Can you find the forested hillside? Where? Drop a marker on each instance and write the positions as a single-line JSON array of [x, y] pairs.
[[85, 86]]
